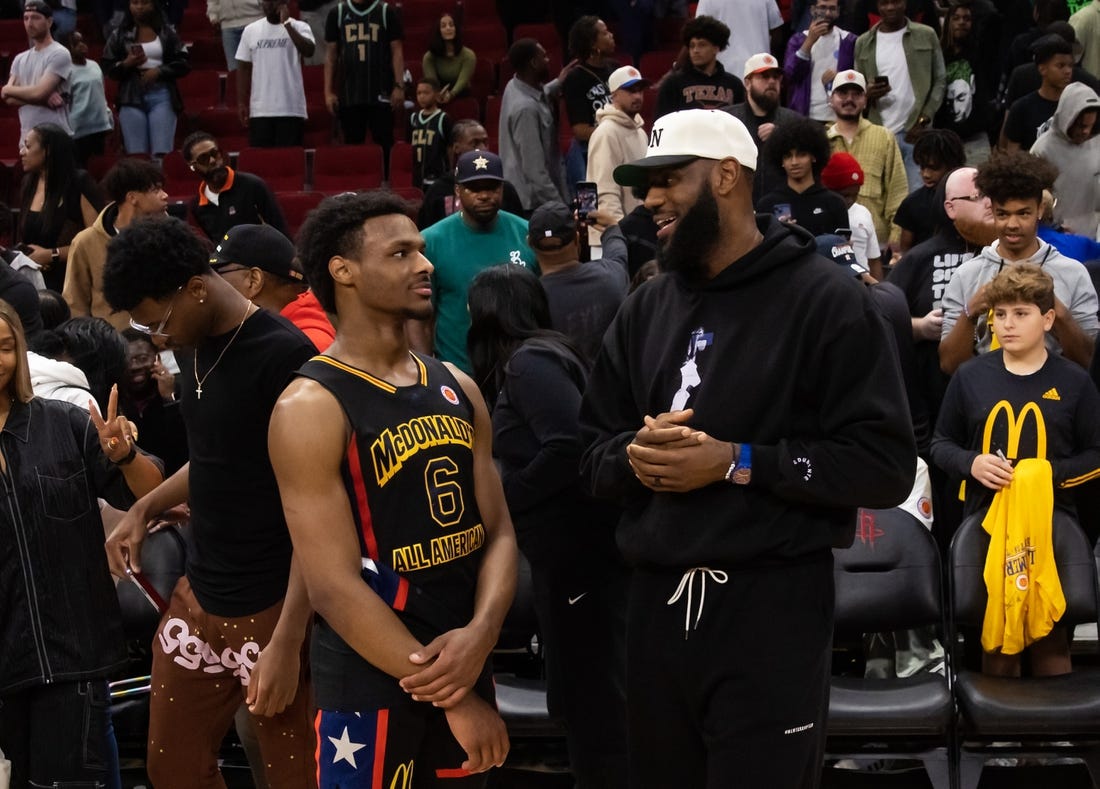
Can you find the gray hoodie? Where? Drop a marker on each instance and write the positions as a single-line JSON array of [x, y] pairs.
[[1078, 186], [1072, 287]]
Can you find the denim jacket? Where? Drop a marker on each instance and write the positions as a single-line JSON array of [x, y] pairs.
[[130, 88], [60, 617]]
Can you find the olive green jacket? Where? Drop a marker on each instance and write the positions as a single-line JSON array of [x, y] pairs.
[[926, 69]]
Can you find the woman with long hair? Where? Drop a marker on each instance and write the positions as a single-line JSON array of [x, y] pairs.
[[447, 61], [58, 200], [146, 57], [533, 378], [60, 623]]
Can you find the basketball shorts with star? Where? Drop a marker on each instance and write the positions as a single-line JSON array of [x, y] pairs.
[[388, 741]]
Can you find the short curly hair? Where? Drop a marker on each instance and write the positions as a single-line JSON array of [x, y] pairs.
[[706, 27], [941, 147], [335, 228], [1024, 283], [1015, 176], [799, 134], [152, 258]]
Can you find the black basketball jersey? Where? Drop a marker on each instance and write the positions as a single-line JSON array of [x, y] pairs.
[[429, 135], [363, 36], [409, 476]]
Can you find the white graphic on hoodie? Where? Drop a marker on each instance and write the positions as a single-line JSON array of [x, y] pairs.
[[689, 370]]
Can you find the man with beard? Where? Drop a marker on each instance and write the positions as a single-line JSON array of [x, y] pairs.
[[964, 222], [904, 63], [885, 184], [439, 199], [760, 113], [227, 197], [39, 77], [742, 442], [478, 236]]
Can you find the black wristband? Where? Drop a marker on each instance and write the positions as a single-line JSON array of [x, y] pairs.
[[129, 458]]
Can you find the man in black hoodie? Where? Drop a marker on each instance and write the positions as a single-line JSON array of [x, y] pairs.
[[743, 405]]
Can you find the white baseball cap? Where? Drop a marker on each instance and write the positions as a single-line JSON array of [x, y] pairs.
[[849, 77], [761, 61], [680, 138], [625, 77]]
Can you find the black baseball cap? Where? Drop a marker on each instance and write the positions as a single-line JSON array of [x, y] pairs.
[[257, 246], [478, 166], [39, 6], [551, 220]]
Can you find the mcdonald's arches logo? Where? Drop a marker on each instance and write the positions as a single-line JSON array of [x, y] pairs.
[[1015, 426]]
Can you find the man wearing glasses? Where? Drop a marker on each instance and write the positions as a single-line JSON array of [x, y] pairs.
[[226, 197], [236, 621]]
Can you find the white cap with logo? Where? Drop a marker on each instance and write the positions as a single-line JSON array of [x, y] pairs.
[[680, 138], [849, 77], [760, 62], [625, 77]]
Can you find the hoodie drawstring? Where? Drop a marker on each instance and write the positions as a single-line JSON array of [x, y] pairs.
[[687, 581]]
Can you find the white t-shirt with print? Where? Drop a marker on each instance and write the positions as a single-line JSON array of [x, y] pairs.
[[277, 87]]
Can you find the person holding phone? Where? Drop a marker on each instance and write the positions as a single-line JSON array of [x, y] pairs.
[[814, 56], [908, 56], [146, 57]]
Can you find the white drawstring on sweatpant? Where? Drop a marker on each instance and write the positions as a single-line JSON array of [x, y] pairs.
[[687, 582]]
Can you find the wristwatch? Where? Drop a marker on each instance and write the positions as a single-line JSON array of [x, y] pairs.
[[740, 471]]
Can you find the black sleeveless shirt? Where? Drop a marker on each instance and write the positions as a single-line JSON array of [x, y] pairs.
[[409, 476]]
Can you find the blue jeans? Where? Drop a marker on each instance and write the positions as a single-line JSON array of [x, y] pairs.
[[150, 128], [231, 39], [912, 169], [576, 166]]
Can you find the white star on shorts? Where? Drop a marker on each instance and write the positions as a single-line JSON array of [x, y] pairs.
[[345, 749]]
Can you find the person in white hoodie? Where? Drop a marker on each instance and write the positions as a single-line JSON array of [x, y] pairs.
[[1071, 144], [1014, 183], [619, 138]]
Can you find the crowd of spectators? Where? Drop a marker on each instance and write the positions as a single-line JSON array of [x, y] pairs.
[[936, 143]]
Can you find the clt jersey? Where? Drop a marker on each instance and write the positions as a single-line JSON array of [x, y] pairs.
[[363, 34], [430, 135], [409, 477]]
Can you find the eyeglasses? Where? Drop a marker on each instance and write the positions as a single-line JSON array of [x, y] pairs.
[[159, 331], [207, 157], [974, 198]]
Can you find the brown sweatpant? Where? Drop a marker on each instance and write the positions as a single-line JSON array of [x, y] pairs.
[[201, 669]]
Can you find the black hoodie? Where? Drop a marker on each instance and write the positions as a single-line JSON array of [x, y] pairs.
[[792, 357]]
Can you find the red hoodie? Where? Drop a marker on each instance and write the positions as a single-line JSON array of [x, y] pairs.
[[307, 314]]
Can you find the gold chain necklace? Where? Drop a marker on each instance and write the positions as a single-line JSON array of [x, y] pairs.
[[199, 382]]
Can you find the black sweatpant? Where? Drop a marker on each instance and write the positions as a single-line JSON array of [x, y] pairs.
[[742, 699], [355, 120], [275, 132]]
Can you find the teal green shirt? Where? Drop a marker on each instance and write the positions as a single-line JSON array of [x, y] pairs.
[[458, 253]]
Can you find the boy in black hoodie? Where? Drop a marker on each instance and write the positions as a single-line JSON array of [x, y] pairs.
[[743, 405]]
